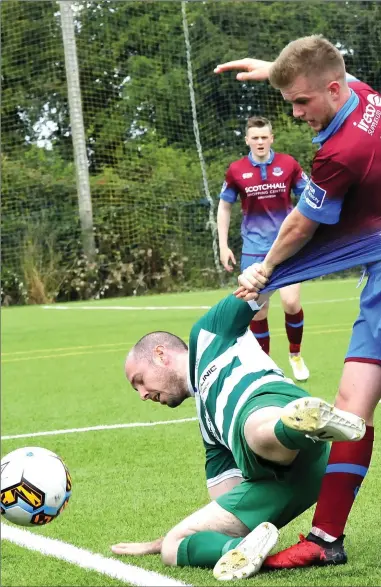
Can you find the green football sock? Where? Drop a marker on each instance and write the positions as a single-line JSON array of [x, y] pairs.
[[292, 439], [204, 549]]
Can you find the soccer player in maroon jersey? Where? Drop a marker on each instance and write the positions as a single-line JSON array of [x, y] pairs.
[[338, 218], [264, 181]]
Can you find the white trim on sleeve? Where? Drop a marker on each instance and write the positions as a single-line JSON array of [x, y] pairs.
[[254, 306]]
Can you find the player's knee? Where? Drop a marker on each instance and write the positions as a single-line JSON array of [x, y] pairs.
[[343, 398], [169, 549], [257, 437], [292, 305]]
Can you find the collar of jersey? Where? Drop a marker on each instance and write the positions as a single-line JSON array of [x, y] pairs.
[[262, 166], [189, 382], [338, 120]]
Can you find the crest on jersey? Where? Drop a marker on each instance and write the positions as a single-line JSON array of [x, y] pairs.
[[277, 171], [247, 175]]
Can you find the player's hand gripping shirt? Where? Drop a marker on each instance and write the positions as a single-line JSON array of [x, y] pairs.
[[343, 194], [265, 192]]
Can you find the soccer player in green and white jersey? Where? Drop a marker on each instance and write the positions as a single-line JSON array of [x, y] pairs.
[[261, 473]]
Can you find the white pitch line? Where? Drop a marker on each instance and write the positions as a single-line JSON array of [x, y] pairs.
[[165, 308], [84, 558], [92, 428]]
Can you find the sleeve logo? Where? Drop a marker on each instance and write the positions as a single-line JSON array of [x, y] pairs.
[[314, 195]]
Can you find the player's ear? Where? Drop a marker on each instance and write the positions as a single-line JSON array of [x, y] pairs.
[[334, 90], [159, 355]]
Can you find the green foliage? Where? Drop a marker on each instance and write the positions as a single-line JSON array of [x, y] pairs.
[[146, 182], [295, 139]]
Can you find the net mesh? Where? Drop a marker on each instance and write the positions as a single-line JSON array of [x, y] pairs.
[[161, 130]]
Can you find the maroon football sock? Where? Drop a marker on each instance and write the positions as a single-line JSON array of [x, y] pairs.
[[294, 329], [260, 329], [347, 466]]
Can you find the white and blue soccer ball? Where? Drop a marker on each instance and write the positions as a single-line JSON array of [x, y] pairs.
[[35, 486]]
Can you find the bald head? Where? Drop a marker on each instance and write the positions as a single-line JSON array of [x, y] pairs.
[[144, 348], [157, 366]]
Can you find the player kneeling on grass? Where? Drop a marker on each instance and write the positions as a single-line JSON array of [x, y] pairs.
[[263, 466]]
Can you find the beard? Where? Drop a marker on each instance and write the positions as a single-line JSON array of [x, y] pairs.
[[176, 391], [173, 402]]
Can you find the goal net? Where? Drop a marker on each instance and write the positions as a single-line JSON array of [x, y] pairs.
[[160, 126]]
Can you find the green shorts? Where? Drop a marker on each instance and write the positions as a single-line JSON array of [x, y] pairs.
[[270, 492]]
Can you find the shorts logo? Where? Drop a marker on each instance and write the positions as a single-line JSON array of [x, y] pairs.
[[374, 99], [277, 171], [305, 176], [247, 175], [314, 195]]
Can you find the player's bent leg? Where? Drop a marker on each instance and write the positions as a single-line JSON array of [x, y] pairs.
[[260, 425], [267, 505], [214, 526], [260, 436]]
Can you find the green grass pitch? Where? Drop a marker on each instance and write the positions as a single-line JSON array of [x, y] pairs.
[[63, 369]]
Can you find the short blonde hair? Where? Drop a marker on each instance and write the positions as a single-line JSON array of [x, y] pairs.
[[313, 57]]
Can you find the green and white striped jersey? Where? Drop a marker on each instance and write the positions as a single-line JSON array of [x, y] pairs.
[[226, 367]]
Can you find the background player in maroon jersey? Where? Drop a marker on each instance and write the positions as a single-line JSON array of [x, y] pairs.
[[264, 181], [340, 209]]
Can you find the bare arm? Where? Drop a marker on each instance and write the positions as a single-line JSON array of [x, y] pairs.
[[295, 232], [154, 547], [251, 69], [223, 222], [138, 548]]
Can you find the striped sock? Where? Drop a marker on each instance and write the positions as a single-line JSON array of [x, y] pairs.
[[347, 466], [294, 328], [260, 329]]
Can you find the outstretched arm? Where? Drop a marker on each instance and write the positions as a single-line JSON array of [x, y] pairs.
[[250, 69], [138, 548], [154, 547]]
